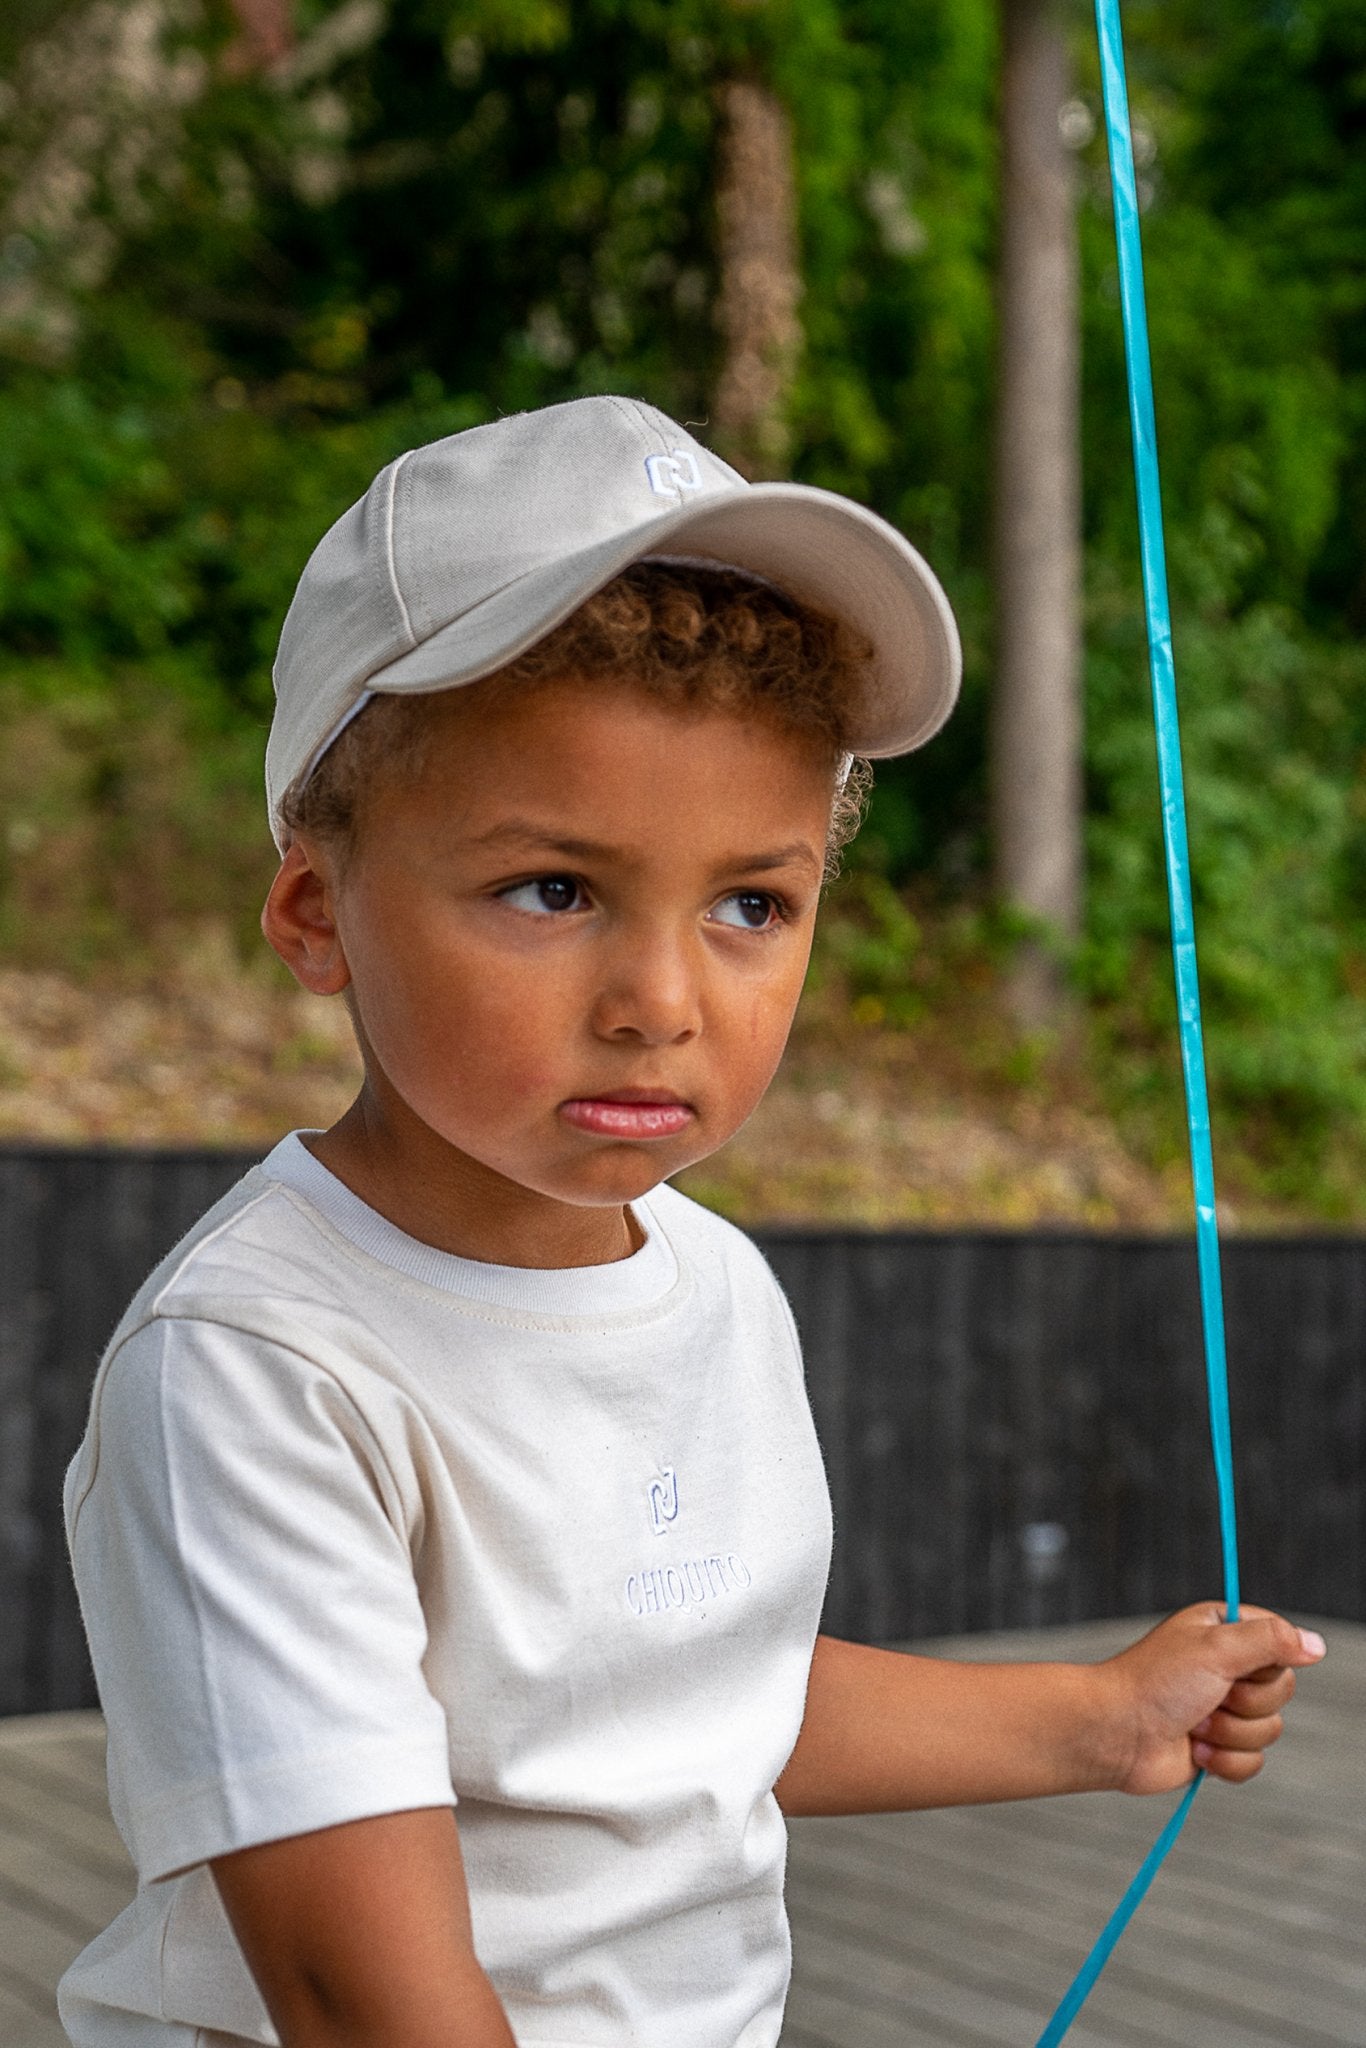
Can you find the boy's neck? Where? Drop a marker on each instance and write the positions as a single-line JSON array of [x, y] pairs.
[[443, 1198]]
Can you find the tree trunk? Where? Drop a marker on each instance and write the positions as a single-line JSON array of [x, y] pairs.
[[1036, 727], [756, 207], [265, 35]]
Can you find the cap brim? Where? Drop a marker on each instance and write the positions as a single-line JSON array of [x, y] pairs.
[[819, 547]]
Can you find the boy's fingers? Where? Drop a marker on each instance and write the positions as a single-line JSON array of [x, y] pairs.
[[1232, 1731], [1265, 1639], [1232, 1765], [1266, 1692]]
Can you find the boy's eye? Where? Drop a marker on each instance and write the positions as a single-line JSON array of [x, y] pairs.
[[546, 895], [752, 910]]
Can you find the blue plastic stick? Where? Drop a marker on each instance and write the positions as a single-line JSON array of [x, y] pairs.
[[1170, 764], [1086, 1976], [1158, 612], [1169, 767]]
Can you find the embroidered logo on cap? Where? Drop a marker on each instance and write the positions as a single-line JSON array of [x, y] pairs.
[[671, 475]]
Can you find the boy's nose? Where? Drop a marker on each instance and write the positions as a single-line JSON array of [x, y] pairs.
[[650, 992]]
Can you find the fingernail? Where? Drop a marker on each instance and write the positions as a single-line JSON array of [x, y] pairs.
[[1202, 1727], [1202, 1753], [1313, 1643]]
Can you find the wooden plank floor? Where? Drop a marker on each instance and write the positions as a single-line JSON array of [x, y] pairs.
[[963, 1929], [946, 1930]]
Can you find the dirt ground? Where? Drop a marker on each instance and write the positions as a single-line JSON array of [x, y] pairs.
[[862, 1127]]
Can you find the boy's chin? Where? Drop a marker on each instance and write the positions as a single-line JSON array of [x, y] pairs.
[[626, 1173], [628, 1184]]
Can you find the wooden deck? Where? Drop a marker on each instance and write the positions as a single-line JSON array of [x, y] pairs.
[[949, 1930]]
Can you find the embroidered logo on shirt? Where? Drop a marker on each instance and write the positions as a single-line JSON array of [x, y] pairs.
[[690, 1584], [671, 475], [663, 1493]]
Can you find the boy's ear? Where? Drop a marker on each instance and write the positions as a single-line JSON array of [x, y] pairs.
[[298, 922]]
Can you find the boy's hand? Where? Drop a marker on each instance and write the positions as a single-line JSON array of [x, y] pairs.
[[1200, 1693]]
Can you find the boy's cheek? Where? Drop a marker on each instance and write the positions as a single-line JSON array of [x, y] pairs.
[[770, 1023]]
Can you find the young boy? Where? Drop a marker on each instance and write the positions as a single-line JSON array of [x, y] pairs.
[[450, 1529]]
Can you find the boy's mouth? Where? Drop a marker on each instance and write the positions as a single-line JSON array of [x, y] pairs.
[[629, 1113]]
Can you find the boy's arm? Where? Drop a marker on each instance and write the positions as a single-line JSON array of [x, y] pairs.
[[885, 1732], [358, 1936]]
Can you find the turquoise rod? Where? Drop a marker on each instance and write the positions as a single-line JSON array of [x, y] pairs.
[[1158, 612], [1169, 768], [1079, 1989]]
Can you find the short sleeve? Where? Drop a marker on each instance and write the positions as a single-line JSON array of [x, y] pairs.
[[249, 1596]]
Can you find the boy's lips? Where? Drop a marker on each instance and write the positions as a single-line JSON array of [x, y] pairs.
[[629, 1113]]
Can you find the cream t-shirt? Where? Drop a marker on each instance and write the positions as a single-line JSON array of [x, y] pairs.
[[359, 1526]]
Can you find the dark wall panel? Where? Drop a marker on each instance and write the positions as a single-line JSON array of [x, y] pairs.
[[79, 1232], [1014, 1424]]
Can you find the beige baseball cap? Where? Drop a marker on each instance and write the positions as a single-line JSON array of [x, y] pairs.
[[465, 552]]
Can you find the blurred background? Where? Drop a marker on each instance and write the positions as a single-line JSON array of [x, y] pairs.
[[250, 249]]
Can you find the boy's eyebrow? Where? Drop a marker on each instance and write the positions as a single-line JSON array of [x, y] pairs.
[[799, 853], [525, 832]]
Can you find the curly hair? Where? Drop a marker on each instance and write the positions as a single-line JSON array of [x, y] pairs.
[[691, 634]]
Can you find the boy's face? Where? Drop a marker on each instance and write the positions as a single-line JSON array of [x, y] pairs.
[[575, 942]]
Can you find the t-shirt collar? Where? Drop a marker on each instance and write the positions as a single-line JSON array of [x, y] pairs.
[[635, 1282]]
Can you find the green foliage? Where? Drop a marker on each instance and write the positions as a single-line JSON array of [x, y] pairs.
[[225, 300], [131, 813], [871, 942], [1247, 121], [1276, 835]]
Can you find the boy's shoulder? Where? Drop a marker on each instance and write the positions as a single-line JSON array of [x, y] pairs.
[[689, 1223], [708, 1243], [214, 1255]]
